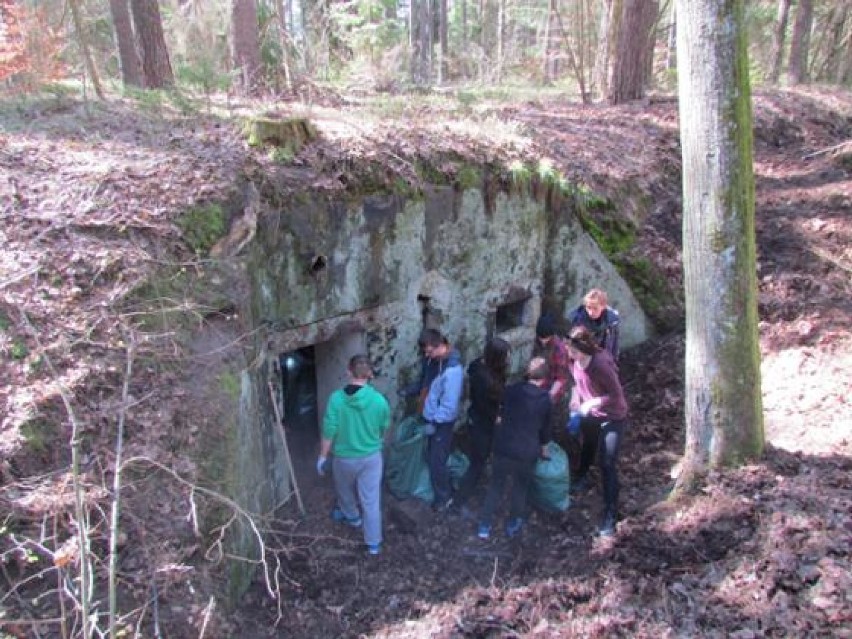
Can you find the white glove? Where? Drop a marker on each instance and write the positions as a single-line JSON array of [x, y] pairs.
[[322, 465], [587, 406]]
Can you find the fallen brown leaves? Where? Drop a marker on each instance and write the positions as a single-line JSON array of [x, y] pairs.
[[89, 209]]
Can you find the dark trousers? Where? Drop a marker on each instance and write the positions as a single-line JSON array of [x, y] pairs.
[[440, 444], [521, 474], [480, 436], [602, 440]]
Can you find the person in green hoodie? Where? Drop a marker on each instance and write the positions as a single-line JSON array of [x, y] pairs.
[[356, 420]]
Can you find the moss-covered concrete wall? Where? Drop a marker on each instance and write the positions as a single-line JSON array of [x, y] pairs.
[[366, 274], [317, 267]]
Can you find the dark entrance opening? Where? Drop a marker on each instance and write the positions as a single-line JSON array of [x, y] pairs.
[[300, 409], [299, 390]]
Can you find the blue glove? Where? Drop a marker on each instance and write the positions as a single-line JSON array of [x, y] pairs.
[[573, 425], [322, 465]]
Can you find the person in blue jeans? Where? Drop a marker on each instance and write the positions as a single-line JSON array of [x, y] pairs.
[[520, 438], [354, 426], [598, 411], [440, 411]]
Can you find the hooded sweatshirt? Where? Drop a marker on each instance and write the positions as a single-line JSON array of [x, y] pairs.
[[605, 328], [356, 420], [444, 398], [524, 425]]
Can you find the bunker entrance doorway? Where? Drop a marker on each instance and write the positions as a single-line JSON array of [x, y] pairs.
[[299, 390], [309, 375]]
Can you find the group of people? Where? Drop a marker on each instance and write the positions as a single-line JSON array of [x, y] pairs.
[[571, 383]]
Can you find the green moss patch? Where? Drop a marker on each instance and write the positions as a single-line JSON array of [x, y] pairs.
[[203, 225], [39, 435], [613, 235], [652, 290], [286, 133]]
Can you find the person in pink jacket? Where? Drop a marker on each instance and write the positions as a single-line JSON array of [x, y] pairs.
[[599, 411]]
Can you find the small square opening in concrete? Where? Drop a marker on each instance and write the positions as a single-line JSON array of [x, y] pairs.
[[511, 315]]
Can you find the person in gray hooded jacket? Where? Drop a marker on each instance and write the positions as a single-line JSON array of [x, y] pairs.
[[440, 412]]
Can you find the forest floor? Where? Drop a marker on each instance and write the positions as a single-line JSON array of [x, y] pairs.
[[762, 550]]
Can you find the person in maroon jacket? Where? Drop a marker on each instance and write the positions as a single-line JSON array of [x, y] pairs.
[[599, 411]]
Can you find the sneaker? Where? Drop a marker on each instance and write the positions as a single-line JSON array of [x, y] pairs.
[[514, 527], [581, 485], [374, 549], [484, 531], [607, 527], [340, 517]]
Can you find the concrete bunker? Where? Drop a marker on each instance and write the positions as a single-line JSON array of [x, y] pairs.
[[329, 278]]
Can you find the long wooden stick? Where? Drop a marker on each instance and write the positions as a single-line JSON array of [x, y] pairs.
[[279, 423], [829, 149]]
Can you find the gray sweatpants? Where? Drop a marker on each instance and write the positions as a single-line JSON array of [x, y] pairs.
[[359, 479]]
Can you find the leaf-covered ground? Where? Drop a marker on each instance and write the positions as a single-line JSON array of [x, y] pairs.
[[90, 199]]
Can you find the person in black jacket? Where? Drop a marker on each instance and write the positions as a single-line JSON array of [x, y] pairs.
[[520, 438], [487, 378], [602, 321]]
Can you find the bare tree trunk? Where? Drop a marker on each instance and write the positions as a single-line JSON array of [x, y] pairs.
[[245, 45], [778, 38], [579, 45], [155, 56], [421, 31], [282, 12], [547, 73], [464, 32], [724, 417], [844, 69], [835, 45], [84, 48], [671, 47], [635, 39], [128, 54], [797, 70], [501, 29], [610, 19], [483, 26], [442, 28]]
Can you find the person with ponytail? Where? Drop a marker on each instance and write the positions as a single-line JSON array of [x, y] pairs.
[[599, 412]]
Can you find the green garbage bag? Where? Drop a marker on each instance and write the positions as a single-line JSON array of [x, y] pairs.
[[551, 481], [406, 470], [457, 463]]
